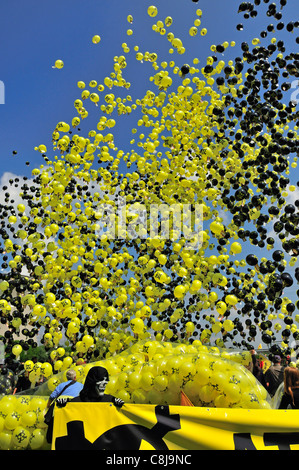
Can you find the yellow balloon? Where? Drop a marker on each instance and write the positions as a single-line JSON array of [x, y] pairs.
[[96, 39], [17, 349], [28, 418], [146, 381], [190, 327], [21, 437], [52, 383], [221, 307], [152, 11], [179, 292], [59, 64], [137, 325], [228, 325], [160, 383], [37, 439], [47, 369], [60, 352], [231, 299], [236, 248], [6, 406], [5, 440], [12, 420], [67, 362], [58, 365], [207, 393]]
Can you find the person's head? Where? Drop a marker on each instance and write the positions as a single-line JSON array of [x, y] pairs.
[[277, 359], [291, 380], [71, 374], [95, 383]]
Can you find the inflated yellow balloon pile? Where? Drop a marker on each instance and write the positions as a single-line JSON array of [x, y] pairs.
[[157, 372], [22, 423], [153, 372], [220, 139]]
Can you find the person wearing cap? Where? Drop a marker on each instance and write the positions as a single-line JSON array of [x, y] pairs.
[[274, 375]]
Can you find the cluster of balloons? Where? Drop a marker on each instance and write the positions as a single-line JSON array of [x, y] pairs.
[[221, 138], [60, 362], [153, 372], [22, 423]]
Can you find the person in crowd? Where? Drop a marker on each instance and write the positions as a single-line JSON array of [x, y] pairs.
[[23, 382], [8, 377], [73, 387], [290, 397], [80, 360], [287, 360], [70, 388], [274, 375], [257, 370]]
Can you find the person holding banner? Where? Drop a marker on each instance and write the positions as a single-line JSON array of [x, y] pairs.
[[94, 389], [290, 398]]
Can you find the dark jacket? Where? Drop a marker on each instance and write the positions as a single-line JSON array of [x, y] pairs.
[[88, 392], [274, 376], [286, 400]]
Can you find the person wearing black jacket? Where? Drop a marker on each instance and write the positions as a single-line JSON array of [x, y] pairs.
[[274, 375], [94, 389], [23, 382]]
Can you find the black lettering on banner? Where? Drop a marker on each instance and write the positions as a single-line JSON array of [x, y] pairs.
[[242, 441], [123, 437], [283, 440]]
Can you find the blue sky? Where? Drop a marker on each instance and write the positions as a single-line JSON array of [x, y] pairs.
[[34, 34]]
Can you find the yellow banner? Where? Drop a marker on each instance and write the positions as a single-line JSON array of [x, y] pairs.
[[101, 426]]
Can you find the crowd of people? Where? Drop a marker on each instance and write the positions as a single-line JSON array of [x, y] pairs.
[[15, 379], [280, 372]]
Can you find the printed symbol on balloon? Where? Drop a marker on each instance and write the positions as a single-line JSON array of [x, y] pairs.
[[123, 437]]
